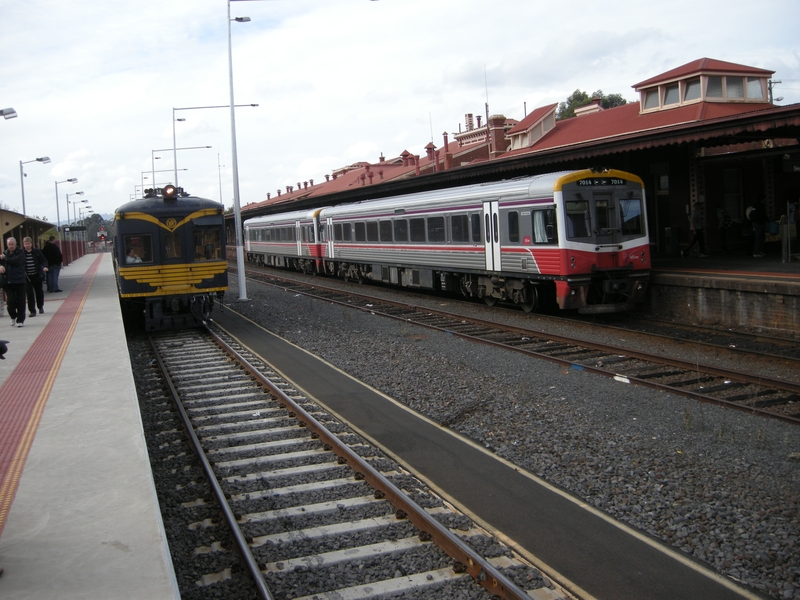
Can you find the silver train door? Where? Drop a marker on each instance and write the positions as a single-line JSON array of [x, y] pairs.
[[329, 241], [491, 235], [298, 234]]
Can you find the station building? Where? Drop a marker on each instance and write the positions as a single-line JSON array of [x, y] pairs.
[[705, 131]]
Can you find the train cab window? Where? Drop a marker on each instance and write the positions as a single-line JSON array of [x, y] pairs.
[[630, 212], [172, 245], [603, 214], [417, 229], [459, 228], [207, 244], [544, 226], [372, 231], [400, 230], [578, 219], [476, 228], [513, 227], [436, 232], [385, 231], [138, 249], [361, 232]]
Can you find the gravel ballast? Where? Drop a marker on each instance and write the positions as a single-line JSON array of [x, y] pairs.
[[717, 484]]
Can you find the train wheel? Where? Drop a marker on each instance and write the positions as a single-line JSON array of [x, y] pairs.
[[531, 299], [490, 300]]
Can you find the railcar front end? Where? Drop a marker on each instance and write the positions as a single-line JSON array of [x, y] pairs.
[[169, 257]]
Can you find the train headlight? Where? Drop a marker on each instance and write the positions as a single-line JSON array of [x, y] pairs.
[[169, 192]]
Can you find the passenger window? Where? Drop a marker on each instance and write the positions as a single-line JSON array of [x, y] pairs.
[[138, 249], [631, 216], [337, 232], [361, 232], [417, 230], [372, 231], [207, 244], [347, 232], [544, 226], [436, 229], [513, 227], [476, 228], [578, 219], [400, 230], [459, 228], [385, 231]]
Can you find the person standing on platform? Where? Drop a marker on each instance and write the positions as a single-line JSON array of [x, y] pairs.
[[36, 270], [696, 225], [13, 259], [724, 223], [54, 258], [758, 217]]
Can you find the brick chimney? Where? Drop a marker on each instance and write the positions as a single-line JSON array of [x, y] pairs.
[[469, 121], [267, 195], [405, 156], [327, 177], [497, 134], [279, 193]]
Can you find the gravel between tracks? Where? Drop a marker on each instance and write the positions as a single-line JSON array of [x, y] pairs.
[[717, 484]]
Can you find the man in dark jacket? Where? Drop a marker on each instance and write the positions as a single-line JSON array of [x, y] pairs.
[[35, 270], [13, 259], [54, 257]]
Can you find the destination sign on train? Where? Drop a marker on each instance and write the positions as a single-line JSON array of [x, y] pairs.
[[600, 181]]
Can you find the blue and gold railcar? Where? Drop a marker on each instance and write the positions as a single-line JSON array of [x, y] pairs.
[[169, 257]]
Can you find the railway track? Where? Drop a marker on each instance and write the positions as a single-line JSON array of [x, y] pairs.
[[313, 510], [727, 387]]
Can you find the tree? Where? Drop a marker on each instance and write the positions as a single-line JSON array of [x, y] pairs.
[[579, 98]]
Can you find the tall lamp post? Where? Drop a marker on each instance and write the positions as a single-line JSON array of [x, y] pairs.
[[237, 211], [69, 247], [82, 220], [44, 160], [58, 214], [174, 138]]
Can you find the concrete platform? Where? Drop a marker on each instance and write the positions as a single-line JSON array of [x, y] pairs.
[[78, 512]]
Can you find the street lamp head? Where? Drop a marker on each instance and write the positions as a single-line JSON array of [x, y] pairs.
[[9, 113], [44, 160], [242, 19], [73, 180]]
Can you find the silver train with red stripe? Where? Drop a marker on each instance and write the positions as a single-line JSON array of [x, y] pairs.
[[576, 240]]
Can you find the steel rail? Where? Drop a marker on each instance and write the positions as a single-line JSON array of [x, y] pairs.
[[688, 366], [466, 559], [239, 539]]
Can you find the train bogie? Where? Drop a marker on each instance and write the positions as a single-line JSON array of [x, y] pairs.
[[169, 258], [577, 240]]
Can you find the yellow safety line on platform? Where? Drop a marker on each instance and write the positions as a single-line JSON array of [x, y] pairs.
[[8, 490]]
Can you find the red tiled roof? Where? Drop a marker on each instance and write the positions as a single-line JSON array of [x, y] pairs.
[[704, 65], [531, 119], [625, 119]]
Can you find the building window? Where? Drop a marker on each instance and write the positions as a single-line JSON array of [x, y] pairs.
[[671, 95], [755, 91], [692, 90], [714, 87], [651, 99], [734, 87]]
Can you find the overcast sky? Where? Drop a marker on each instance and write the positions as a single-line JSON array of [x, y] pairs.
[[336, 81]]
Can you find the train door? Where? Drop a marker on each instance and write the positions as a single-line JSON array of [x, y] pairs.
[[491, 239], [329, 242], [298, 236], [605, 219]]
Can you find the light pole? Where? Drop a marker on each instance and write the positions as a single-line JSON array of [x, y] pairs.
[[174, 120], [237, 211], [58, 214], [153, 158], [83, 220], [44, 160], [9, 113], [71, 258], [153, 174]]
